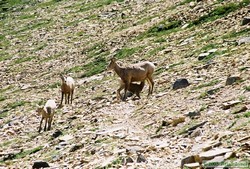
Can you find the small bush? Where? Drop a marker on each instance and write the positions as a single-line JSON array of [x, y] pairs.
[[247, 114]]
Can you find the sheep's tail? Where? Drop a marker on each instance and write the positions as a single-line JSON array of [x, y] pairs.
[[152, 65], [49, 110]]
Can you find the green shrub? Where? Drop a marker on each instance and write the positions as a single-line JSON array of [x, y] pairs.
[[247, 88], [247, 114]]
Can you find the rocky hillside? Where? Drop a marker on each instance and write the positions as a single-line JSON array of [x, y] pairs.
[[200, 108]]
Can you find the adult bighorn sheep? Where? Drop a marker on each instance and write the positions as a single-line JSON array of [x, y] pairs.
[[138, 72]]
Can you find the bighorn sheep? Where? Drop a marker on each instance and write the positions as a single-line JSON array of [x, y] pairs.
[[135, 73], [47, 113], [133, 88], [67, 88]]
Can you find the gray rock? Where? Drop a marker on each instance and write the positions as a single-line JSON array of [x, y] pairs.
[[180, 83], [232, 79], [161, 27], [211, 145], [66, 138], [244, 40], [245, 20], [208, 155], [40, 164], [212, 50], [240, 109], [192, 166], [56, 134], [229, 155], [190, 159], [230, 104], [203, 56], [127, 160], [193, 114], [76, 147], [196, 133], [141, 159]]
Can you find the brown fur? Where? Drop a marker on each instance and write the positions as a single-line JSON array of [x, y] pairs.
[[135, 88], [134, 73], [67, 89]]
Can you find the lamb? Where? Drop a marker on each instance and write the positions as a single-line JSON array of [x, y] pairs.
[[47, 113], [133, 88], [135, 73], [67, 88]]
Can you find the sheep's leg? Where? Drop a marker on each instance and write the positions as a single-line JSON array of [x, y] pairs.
[[72, 96], [40, 127], [62, 98], [66, 98], [125, 91], [138, 94], [118, 93], [69, 96], [46, 121], [50, 120], [151, 85]]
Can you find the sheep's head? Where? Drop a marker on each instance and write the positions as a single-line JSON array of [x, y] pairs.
[[111, 64], [39, 111], [64, 79]]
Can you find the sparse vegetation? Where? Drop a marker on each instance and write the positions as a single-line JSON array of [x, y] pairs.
[[54, 85], [211, 83], [4, 114], [247, 114], [2, 98], [162, 28], [94, 67], [22, 154], [23, 59], [220, 11], [15, 104], [247, 88], [97, 4], [235, 34], [126, 52], [40, 39]]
